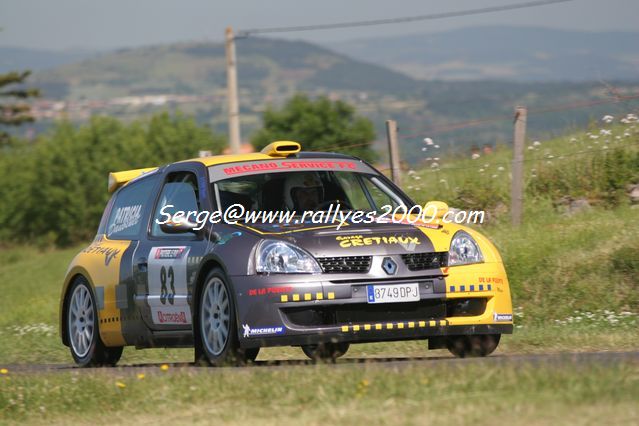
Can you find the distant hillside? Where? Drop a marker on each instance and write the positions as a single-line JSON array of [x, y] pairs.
[[192, 77], [272, 67], [511, 53], [18, 58]]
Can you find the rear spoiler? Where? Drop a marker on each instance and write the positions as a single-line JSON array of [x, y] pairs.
[[117, 179]]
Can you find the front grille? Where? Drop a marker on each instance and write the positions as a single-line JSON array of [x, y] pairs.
[[363, 312], [345, 264], [423, 261]]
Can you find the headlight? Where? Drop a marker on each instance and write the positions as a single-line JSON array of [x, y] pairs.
[[464, 250], [279, 257]]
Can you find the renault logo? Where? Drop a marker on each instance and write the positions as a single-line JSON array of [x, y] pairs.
[[389, 266]]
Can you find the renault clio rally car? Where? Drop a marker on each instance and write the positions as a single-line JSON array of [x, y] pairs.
[[229, 289]]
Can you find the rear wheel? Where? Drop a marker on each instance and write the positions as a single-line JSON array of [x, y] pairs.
[[325, 351], [473, 346], [85, 344], [217, 342]]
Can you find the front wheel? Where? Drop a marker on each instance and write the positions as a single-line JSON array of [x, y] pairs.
[[85, 344], [473, 346], [217, 342], [325, 351]]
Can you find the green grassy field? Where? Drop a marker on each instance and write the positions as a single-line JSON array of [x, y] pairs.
[[462, 393]]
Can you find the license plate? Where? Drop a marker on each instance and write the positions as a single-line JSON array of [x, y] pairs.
[[393, 293]]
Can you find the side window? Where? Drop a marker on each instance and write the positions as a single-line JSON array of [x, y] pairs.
[[125, 219], [180, 191]]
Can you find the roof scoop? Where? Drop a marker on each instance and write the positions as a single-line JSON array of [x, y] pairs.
[[281, 148]]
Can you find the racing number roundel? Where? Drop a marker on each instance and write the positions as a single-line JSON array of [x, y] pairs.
[[167, 281]]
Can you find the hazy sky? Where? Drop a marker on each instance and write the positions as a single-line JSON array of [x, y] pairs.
[[63, 24]]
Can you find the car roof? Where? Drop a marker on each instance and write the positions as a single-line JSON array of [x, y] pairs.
[[278, 149]]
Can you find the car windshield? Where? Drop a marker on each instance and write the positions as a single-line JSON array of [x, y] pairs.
[[307, 191]]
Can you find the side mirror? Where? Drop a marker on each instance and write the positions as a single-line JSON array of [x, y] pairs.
[[179, 227], [435, 209]]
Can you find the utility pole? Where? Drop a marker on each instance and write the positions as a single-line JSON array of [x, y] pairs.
[[393, 151], [517, 188], [231, 82]]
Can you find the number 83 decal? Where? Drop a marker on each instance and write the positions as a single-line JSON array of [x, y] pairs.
[[164, 278], [167, 276]]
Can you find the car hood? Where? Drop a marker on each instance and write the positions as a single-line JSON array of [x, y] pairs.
[[351, 239]]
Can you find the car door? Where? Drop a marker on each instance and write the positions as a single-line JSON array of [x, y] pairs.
[[167, 264]]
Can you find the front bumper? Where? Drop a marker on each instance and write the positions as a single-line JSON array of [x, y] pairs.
[[281, 310]]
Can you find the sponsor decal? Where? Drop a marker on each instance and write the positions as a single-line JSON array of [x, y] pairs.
[[169, 253], [491, 280], [290, 165], [109, 253], [126, 217], [502, 317], [262, 331], [360, 241], [269, 290], [172, 317]]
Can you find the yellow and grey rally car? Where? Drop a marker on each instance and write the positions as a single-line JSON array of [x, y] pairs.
[[227, 289]]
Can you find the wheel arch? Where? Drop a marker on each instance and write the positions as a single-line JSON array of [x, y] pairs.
[[208, 264], [71, 277]]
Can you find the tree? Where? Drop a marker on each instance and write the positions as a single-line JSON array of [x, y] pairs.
[[15, 113], [54, 190], [318, 125]]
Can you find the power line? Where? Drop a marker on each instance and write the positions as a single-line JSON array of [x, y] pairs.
[[352, 24]]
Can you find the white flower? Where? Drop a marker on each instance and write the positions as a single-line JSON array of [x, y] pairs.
[[424, 149], [475, 156], [429, 158], [486, 165], [573, 140], [494, 176], [434, 165], [436, 158], [442, 181], [411, 172], [500, 168], [607, 118], [531, 148], [594, 137], [536, 143], [605, 132], [481, 170], [416, 177], [436, 146], [428, 141]]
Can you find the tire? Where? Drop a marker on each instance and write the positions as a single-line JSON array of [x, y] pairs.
[[216, 339], [325, 351], [473, 346], [82, 327]]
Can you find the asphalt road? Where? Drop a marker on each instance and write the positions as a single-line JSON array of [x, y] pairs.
[[603, 358]]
